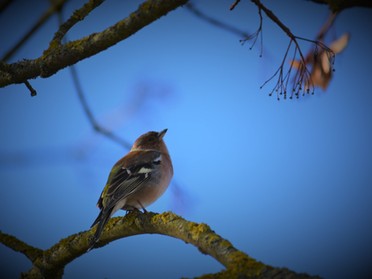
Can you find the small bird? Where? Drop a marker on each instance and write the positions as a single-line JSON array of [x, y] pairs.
[[136, 180]]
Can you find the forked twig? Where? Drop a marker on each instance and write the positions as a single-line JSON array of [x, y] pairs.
[[255, 35], [302, 78], [77, 16]]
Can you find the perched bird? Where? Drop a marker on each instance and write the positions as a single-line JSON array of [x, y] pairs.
[[136, 180]]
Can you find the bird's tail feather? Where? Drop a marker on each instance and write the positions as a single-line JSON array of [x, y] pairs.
[[98, 219], [101, 220]]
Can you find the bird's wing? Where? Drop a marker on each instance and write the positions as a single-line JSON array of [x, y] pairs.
[[128, 175]]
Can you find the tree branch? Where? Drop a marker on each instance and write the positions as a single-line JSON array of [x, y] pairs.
[[302, 79], [51, 263], [57, 57], [17, 245], [55, 7], [77, 16]]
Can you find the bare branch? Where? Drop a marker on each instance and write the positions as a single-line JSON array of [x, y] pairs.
[[254, 36], [302, 79], [57, 57]]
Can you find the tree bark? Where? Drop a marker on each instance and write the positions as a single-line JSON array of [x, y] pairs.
[[50, 263]]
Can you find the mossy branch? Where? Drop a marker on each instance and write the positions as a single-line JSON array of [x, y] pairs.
[[77, 16], [58, 56], [17, 245], [55, 6], [51, 262]]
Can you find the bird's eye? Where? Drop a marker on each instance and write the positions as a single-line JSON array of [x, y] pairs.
[[151, 139]]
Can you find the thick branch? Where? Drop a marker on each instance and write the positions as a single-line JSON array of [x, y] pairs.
[[57, 57], [237, 263]]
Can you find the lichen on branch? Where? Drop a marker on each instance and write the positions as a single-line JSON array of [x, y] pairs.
[[50, 263], [58, 56]]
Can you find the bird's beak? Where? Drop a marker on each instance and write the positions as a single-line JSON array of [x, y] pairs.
[[162, 133]]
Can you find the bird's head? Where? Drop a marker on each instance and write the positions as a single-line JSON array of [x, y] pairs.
[[151, 140]]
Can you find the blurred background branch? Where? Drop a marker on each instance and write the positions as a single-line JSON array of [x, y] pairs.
[[96, 126], [339, 5], [215, 22]]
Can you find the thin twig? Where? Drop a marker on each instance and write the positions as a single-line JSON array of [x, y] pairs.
[[233, 5], [274, 18], [302, 81], [32, 90], [254, 36]]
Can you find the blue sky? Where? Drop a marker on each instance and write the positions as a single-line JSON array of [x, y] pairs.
[[287, 182]]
